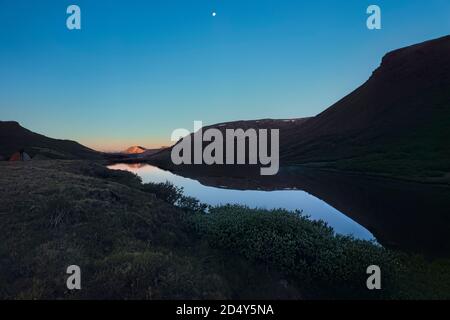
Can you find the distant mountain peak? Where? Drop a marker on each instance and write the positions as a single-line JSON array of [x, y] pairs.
[[135, 150]]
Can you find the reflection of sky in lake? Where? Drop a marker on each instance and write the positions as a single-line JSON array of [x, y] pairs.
[[287, 199]]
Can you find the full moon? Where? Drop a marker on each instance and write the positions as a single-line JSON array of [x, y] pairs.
[[214, 14]]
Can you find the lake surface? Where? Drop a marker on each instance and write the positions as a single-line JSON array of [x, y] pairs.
[[289, 199], [406, 216]]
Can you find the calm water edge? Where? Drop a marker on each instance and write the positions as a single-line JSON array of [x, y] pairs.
[[286, 199]]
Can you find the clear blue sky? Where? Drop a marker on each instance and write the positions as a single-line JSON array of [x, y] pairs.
[[139, 69]]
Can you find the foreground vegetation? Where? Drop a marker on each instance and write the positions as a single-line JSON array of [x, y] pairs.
[[149, 241]]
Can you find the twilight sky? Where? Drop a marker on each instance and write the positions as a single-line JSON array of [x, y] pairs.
[[140, 69]]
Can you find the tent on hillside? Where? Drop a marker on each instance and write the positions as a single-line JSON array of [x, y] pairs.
[[20, 156]]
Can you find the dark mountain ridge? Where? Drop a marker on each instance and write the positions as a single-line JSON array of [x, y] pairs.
[[13, 137], [399, 120]]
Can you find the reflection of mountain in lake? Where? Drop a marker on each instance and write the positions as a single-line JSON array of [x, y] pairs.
[[409, 216], [311, 206]]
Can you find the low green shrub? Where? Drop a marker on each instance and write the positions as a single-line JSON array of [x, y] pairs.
[[165, 191], [174, 195], [309, 252], [191, 205]]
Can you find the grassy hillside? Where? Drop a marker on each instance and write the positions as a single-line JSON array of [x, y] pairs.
[[128, 243], [148, 241], [13, 137]]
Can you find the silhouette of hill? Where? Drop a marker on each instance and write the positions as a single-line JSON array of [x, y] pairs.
[[162, 157], [14, 137], [398, 122]]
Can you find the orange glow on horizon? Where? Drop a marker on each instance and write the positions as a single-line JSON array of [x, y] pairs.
[[110, 145]]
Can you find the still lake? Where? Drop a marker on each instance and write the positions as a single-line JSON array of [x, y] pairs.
[[290, 199]]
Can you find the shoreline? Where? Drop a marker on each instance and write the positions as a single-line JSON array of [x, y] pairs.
[[215, 171]]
